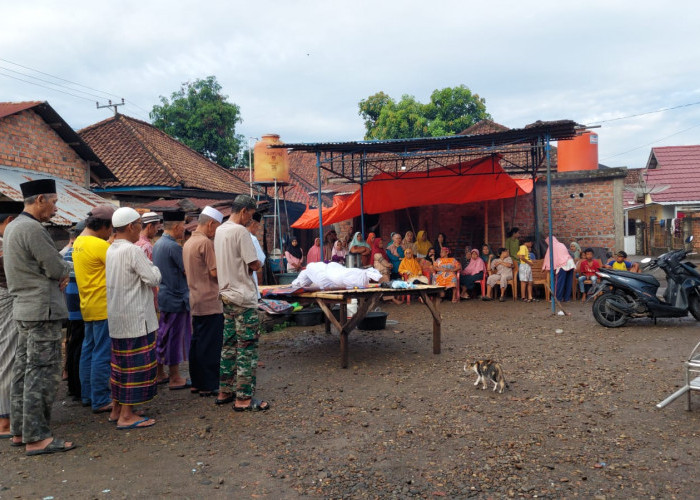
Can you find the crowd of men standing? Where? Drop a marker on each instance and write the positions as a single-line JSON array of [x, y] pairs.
[[133, 311]]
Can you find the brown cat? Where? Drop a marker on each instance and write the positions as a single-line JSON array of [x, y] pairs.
[[488, 369]]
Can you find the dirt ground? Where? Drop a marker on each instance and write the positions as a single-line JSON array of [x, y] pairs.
[[579, 418]]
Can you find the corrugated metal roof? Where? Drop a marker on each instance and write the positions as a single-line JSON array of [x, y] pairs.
[[74, 202]]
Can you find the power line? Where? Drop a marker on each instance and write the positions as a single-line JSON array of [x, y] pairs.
[[50, 88], [52, 83], [59, 78], [647, 113], [650, 143]]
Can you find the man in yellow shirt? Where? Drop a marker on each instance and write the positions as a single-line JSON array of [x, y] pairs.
[[89, 260]]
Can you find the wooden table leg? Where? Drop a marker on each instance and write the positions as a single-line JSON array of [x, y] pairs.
[[343, 348], [433, 304], [437, 326]]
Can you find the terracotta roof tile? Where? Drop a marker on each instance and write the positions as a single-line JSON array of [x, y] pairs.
[[141, 155], [677, 167], [11, 108]]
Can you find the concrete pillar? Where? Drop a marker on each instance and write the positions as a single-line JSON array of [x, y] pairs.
[[639, 237]]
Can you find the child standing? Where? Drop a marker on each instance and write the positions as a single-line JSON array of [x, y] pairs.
[[525, 269]]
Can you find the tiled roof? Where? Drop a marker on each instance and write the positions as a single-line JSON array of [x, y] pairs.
[[141, 155], [484, 127], [677, 167], [64, 131], [11, 108], [634, 175]]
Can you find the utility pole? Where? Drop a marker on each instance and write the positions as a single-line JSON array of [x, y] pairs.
[[110, 105]]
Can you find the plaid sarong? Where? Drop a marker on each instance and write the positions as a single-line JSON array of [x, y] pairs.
[[133, 378]]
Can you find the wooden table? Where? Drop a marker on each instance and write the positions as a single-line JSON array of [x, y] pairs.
[[367, 299]]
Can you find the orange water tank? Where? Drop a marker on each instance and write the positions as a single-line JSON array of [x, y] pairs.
[[579, 153], [270, 164]]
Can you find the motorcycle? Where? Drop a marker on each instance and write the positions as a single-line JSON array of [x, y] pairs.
[[621, 295]]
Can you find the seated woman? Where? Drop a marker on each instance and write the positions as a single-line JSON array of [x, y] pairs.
[[338, 253], [409, 241], [294, 255], [502, 273], [314, 254], [440, 241], [575, 251], [411, 270], [395, 252], [422, 245], [380, 260], [427, 266], [358, 247], [447, 271], [486, 255], [473, 272]]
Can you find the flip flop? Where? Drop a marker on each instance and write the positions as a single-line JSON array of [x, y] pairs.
[[255, 405], [164, 381], [16, 445], [186, 385], [5, 436], [55, 446], [226, 401], [136, 425], [104, 409]]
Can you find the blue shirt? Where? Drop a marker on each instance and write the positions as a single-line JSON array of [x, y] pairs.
[[173, 295], [395, 261], [71, 291]]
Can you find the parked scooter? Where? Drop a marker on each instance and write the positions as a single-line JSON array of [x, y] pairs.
[[621, 295]]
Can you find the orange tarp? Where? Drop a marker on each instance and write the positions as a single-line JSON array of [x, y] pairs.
[[482, 179]]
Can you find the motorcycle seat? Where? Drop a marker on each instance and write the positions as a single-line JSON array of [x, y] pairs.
[[647, 278]]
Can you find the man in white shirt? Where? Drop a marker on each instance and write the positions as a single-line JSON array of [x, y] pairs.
[[132, 318]]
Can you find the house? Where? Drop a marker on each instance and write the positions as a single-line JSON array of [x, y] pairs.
[[35, 143], [665, 197], [150, 165]]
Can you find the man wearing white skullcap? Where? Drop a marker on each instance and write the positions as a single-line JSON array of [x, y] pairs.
[[205, 306], [132, 318]]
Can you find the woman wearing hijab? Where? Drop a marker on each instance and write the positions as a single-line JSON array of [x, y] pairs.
[[294, 255], [395, 252], [575, 251], [409, 241], [564, 267], [447, 271], [440, 241], [338, 253], [422, 245], [358, 247], [486, 255], [410, 268], [380, 260], [314, 254], [370, 239], [472, 272]]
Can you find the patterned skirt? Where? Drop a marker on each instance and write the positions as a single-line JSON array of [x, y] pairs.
[[134, 365]]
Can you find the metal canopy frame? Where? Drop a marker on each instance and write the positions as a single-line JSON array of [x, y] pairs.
[[359, 161]]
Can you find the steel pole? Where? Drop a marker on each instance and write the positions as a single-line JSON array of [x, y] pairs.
[[320, 200], [549, 222]]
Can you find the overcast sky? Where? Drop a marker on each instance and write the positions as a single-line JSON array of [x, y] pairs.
[[299, 68]]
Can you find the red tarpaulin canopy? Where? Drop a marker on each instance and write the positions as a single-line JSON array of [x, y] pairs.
[[480, 180]]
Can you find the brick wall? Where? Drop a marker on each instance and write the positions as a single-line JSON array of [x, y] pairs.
[[28, 142]]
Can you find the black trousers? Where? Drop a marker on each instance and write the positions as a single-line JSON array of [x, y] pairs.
[[75, 333], [205, 351]]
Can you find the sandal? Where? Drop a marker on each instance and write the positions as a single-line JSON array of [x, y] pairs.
[[255, 405], [55, 446]]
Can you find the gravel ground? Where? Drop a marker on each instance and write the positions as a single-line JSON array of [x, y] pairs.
[[578, 419]]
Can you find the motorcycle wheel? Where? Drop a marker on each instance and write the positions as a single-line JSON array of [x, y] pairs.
[[607, 316], [694, 306]]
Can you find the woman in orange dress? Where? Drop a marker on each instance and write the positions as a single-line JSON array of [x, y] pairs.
[[447, 272]]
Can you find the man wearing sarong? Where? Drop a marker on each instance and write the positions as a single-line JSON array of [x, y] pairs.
[[175, 328], [205, 306], [36, 275], [236, 261], [9, 210], [132, 322], [89, 258]]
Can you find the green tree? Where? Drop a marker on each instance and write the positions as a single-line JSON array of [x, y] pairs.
[[450, 111], [199, 116]]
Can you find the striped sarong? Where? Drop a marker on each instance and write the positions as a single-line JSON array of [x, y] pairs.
[[133, 377], [8, 345]]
